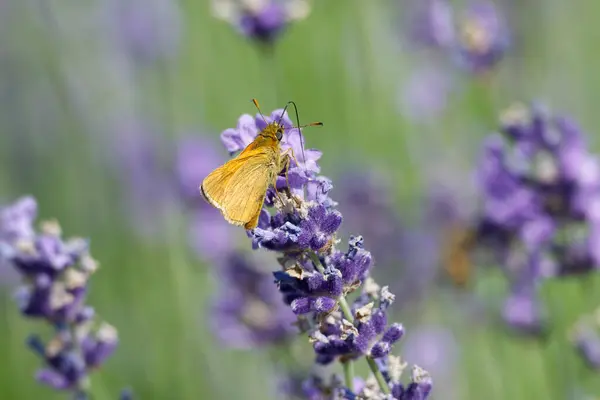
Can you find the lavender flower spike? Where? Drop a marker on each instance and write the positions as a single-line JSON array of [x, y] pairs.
[[476, 37], [541, 197], [56, 274], [261, 20], [316, 276], [482, 38]]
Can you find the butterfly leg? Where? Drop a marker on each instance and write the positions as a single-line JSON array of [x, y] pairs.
[[285, 164], [286, 157]]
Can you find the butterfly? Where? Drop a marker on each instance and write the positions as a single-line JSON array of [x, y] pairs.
[[238, 187]]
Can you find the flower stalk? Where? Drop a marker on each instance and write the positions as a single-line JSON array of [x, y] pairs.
[[300, 224]]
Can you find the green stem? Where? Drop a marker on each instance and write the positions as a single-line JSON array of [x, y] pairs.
[[345, 309], [349, 374], [378, 375], [348, 315]]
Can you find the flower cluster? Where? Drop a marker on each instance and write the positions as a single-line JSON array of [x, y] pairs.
[[56, 275], [261, 20], [316, 276], [585, 335], [477, 39], [358, 190], [541, 191], [248, 311]]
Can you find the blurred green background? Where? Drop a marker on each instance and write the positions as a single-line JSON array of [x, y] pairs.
[[65, 85]]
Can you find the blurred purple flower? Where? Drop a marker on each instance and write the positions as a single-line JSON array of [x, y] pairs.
[[540, 192], [477, 38], [437, 350], [16, 226], [425, 95], [407, 256], [261, 20], [144, 175], [147, 30], [432, 23], [16, 221], [359, 190], [249, 311], [522, 311], [56, 274], [210, 236], [536, 198], [482, 37]]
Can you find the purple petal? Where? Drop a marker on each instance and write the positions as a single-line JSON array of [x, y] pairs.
[[393, 334], [324, 304], [53, 379]]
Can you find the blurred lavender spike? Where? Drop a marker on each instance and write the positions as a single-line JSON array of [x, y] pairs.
[[476, 37], [248, 311], [540, 190], [56, 275], [16, 225], [261, 20], [482, 38], [138, 161]]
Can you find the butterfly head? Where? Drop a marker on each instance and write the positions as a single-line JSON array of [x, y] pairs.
[[274, 130]]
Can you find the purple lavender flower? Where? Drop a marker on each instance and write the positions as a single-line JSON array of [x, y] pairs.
[[436, 349], [482, 38], [540, 190], [537, 200], [56, 273], [585, 336], [522, 311], [357, 191], [316, 276], [477, 38], [261, 20], [248, 311], [432, 23], [147, 30], [425, 95], [16, 226]]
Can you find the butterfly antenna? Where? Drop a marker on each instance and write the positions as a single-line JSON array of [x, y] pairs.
[[284, 110], [301, 126], [260, 112]]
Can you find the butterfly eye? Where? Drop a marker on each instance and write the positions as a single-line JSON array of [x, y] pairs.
[[279, 133]]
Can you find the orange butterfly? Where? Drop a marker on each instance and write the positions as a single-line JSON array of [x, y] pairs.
[[238, 187]]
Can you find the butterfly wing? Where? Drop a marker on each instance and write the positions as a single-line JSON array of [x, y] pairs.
[[238, 187]]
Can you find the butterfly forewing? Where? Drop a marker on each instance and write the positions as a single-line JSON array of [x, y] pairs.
[[238, 187]]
